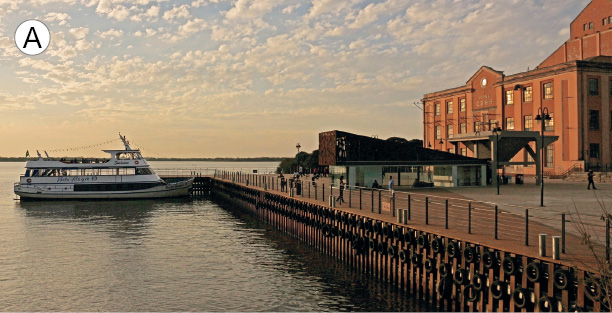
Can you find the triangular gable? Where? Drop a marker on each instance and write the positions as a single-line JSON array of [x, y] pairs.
[[482, 69]]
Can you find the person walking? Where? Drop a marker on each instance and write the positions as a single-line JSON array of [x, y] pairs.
[[391, 182], [340, 198], [591, 182]]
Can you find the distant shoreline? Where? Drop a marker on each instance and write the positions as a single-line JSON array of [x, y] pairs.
[[259, 159]]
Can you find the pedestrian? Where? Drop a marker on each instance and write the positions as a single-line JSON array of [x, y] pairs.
[[340, 198], [283, 182], [391, 184], [591, 182]]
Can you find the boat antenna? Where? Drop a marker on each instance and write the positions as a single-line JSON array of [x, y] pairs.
[[47, 155], [125, 142], [39, 156]]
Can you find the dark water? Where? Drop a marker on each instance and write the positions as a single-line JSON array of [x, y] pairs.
[[169, 255]]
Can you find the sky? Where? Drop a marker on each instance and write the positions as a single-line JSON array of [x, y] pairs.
[[248, 78]]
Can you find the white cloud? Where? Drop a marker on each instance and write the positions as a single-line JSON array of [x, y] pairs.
[[177, 13], [79, 32], [111, 34], [62, 18], [249, 9]]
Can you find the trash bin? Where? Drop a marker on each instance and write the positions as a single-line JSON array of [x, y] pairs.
[[505, 180], [519, 179]]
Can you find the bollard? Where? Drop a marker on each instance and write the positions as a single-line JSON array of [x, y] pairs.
[[556, 248], [360, 206], [332, 202], [372, 194], [543, 245], [323, 193], [406, 216], [265, 186], [399, 216], [291, 192], [349, 190]]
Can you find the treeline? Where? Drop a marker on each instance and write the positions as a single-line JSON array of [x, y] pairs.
[[308, 161]]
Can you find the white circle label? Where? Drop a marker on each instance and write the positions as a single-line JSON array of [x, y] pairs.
[[32, 37], [483, 83]]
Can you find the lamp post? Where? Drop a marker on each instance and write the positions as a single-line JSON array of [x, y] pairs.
[[542, 116], [297, 156], [496, 132]]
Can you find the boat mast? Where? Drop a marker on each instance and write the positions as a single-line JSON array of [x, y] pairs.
[[125, 142]]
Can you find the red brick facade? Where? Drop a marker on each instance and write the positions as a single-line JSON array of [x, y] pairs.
[[574, 84]]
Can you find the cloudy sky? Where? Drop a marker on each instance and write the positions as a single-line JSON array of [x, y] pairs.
[[237, 78]]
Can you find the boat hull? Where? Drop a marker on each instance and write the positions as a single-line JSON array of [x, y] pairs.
[[166, 191]]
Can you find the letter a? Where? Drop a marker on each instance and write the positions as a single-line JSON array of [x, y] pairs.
[[32, 30]]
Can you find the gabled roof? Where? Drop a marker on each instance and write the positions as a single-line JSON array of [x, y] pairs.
[[483, 68]]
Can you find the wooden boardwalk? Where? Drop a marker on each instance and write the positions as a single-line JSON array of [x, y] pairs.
[[441, 214]]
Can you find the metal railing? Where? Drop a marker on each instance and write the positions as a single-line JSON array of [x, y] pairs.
[[510, 222]]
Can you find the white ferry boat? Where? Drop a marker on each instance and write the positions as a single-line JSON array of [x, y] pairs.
[[125, 175]]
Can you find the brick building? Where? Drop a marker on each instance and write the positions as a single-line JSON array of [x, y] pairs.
[[574, 85]]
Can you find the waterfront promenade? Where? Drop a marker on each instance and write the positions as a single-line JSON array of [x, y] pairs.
[[471, 214]]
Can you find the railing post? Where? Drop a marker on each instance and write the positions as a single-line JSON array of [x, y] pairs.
[[350, 192], [496, 221], [446, 213], [393, 204], [309, 191], [323, 192], [562, 232], [379, 202], [469, 217], [372, 194], [526, 227], [409, 206], [316, 191], [608, 239], [426, 210]]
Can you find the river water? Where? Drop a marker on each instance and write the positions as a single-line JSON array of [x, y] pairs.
[[166, 255]]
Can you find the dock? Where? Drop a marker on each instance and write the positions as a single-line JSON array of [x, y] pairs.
[[456, 254]]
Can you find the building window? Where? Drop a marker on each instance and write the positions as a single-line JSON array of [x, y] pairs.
[[548, 91], [438, 132], [548, 124], [449, 131], [463, 128], [462, 105], [527, 94], [593, 87], [591, 25], [550, 156], [449, 107], [492, 124], [509, 96], [605, 21], [463, 151], [585, 26], [528, 123], [477, 126], [437, 110], [509, 123], [528, 158], [594, 120], [594, 150]]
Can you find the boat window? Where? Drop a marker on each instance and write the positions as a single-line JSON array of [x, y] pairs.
[[143, 171], [28, 173]]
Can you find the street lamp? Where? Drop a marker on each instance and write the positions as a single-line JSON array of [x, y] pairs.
[[297, 156], [496, 132], [542, 116]]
